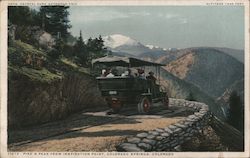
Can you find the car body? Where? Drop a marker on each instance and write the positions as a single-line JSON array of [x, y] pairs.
[[120, 91]]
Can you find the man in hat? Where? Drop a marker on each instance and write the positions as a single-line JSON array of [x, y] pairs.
[[151, 77]]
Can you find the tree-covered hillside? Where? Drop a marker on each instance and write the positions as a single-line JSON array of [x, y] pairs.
[[48, 29], [48, 69], [209, 69]]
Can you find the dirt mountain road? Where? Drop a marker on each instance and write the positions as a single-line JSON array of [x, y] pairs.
[[93, 131]]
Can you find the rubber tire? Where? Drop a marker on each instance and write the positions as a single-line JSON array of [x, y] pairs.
[[143, 105]]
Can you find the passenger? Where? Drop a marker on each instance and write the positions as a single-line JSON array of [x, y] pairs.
[[130, 73], [115, 71], [103, 73], [107, 72], [112, 73], [141, 73], [127, 73], [151, 77]]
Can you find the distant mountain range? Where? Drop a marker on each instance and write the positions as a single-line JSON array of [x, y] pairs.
[[210, 74], [124, 45]]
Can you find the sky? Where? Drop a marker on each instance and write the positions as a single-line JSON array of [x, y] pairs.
[[164, 26]]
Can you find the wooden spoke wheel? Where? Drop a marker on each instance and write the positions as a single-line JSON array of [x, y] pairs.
[[144, 105]]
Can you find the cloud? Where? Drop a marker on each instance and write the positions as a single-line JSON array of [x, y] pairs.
[[107, 16], [143, 13], [167, 15], [183, 20], [94, 15], [100, 14], [171, 16]]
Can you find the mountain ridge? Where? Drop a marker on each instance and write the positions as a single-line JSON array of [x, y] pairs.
[[125, 45], [210, 69]]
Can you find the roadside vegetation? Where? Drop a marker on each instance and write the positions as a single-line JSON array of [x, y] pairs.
[[41, 47]]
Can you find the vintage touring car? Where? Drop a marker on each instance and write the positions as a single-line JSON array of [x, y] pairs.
[[127, 90]]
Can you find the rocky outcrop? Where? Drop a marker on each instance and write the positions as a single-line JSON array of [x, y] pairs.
[[170, 137], [237, 86], [31, 34], [32, 102]]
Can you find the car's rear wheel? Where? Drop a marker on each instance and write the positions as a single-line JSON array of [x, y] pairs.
[[144, 105]]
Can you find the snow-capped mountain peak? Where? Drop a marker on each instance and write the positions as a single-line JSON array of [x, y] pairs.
[[116, 40], [152, 46], [121, 44]]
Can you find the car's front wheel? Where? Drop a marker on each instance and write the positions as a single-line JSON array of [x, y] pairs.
[[144, 105]]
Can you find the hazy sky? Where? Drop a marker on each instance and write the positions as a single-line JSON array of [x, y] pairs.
[[168, 26]]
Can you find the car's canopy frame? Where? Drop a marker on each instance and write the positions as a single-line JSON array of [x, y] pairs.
[[123, 61]]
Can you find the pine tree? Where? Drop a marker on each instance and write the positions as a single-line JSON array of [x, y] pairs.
[[80, 40], [96, 48], [100, 43], [236, 113], [35, 16], [19, 15], [57, 49], [90, 44], [54, 19], [80, 50]]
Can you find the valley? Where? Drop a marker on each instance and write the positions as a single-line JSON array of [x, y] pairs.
[[212, 71]]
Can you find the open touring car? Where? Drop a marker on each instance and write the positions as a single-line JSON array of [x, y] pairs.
[[126, 89]]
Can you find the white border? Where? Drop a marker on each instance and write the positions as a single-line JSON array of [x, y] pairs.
[[3, 72]]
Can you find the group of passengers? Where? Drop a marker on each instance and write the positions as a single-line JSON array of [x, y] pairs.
[[128, 73]]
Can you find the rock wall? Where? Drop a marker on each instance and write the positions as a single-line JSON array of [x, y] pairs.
[[170, 137], [33, 102]]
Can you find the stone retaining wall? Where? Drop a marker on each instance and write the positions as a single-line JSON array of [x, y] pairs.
[[172, 136]]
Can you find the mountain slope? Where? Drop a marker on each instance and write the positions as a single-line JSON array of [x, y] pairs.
[[42, 89], [178, 88], [209, 69], [167, 56], [237, 86], [236, 53], [153, 55]]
